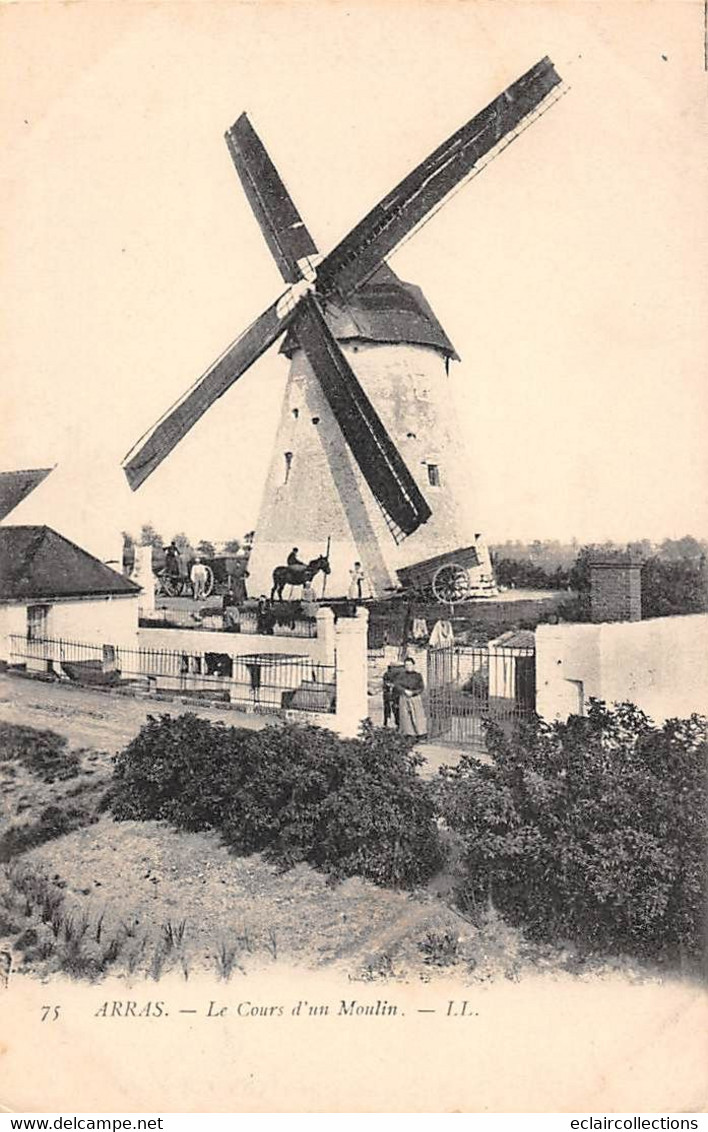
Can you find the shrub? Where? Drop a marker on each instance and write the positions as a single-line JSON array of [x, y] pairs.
[[594, 828], [349, 807], [42, 753]]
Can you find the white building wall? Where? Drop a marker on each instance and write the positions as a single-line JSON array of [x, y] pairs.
[[325, 495], [13, 623], [108, 620], [659, 664], [99, 620]]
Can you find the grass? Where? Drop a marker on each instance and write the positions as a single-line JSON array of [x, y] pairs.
[[226, 960]]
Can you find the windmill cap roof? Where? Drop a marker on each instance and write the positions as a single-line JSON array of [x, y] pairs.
[[385, 310], [36, 562]]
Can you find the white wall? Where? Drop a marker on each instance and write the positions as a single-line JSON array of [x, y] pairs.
[[196, 642], [109, 620], [103, 620], [13, 622], [661, 665]]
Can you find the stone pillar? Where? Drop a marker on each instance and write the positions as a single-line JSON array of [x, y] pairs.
[[615, 587], [326, 637], [143, 575], [352, 673]]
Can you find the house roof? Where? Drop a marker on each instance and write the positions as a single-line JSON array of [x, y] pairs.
[[515, 639], [16, 486], [385, 309], [37, 563]]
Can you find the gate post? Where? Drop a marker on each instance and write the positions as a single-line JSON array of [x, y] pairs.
[[143, 575], [352, 673]]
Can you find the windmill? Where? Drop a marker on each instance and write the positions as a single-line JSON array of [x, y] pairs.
[[367, 453]]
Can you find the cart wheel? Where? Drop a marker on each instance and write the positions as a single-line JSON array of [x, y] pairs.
[[172, 585], [209, 584], [451, 583]]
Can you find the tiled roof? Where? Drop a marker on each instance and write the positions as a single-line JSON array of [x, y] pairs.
[[36, 562], [16, 486], [515, 639]]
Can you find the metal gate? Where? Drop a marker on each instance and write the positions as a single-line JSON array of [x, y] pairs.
[[468, 684]]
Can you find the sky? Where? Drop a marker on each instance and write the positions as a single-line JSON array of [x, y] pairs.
[[571, 275]]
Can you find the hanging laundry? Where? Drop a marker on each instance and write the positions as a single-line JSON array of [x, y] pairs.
[[442, 635], [419, 629]]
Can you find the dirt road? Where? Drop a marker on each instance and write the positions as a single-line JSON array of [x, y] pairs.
[[90, 718]]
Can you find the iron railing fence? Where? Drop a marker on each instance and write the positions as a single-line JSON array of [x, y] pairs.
[[266, 682], [469, 685]]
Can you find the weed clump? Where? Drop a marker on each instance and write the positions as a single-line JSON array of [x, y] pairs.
[[42, 753]]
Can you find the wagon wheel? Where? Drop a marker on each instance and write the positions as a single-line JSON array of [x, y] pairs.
[[171, 585], [209, 584], [451, 583]]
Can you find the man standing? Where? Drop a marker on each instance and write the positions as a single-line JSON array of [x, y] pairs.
[[172, 563], [357, 582], [198, 578]]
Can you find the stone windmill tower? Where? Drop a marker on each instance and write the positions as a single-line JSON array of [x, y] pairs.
[[315, 495], [367, 464]]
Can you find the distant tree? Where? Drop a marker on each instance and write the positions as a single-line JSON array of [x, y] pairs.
[[643, 548], [149, 536], [671, 587], [686, 547], [232, 546], [206, 549]]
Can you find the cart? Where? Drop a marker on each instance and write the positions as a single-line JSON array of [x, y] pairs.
[[445, 577], [179, 585]]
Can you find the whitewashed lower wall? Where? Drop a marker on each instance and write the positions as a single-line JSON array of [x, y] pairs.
[[100, 620], [197, 642], [661, 665]]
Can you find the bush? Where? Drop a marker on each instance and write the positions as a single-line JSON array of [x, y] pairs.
[[42, 753], [593, 829], [348, 807]]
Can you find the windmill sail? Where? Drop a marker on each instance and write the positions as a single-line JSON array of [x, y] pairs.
[[151, 449], [378, 458], [359, 254], [279, 220], [352, 262]]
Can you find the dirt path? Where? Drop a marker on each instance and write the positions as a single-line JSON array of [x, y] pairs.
[[107, 721], [90, 718]]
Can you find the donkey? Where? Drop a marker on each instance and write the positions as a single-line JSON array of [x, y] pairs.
[[297, 575]]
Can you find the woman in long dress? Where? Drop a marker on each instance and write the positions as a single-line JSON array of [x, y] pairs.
[[411, 720]]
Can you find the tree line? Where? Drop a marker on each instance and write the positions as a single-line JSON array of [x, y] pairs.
[[674, 573]]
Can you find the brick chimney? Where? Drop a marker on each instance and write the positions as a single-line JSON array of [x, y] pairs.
[[615, 586]]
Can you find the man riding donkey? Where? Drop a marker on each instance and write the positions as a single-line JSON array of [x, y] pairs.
[[298, 573]]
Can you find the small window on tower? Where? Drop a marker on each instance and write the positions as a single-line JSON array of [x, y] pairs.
[[433, 475], [288, 465], [296, 413]]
